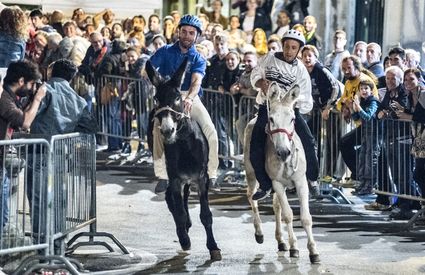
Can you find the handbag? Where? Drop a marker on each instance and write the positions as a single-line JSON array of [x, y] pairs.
[[80, 85], [107, 92]]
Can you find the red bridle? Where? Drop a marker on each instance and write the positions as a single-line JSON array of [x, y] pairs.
[[290, 134]]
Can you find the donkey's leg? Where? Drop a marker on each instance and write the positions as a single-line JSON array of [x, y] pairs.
[[206, 219], [252, 182], [175, 204], [288, 217], [278, 230], [186, 193], [252, 188], [306, 220]]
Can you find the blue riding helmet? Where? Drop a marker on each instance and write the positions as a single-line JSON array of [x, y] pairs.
[[191, 20]]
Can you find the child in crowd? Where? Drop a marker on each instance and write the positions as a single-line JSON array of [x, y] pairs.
[[364, 109]]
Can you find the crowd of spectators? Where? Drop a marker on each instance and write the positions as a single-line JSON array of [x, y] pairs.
[[351, 84]]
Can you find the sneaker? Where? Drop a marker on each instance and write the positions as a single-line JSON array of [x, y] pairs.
[[374, 206], [161, 186], [261, 194], [141, 146], [213, 185], [126, 149]]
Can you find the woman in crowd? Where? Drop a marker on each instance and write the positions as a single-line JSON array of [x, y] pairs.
[[136, 62], [259, 40], [416, 113], [107, 33], [253, 18], [237, 37], [13, 34], [168, 29], [158, 41]]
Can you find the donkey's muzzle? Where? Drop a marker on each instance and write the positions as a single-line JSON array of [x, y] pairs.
[[283, 154], [167, 132]]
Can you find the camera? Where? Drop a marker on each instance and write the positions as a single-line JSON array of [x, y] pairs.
[[38, 84]]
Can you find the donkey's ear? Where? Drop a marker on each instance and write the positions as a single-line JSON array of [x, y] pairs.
[[292, 94], [274, 92], [177, 79], [153, 75]]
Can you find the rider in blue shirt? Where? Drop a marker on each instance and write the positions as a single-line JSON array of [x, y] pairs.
[[167, 60], [162, 57]]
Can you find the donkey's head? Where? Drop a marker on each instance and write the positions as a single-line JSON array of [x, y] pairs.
[[170, 108], [281, 125]]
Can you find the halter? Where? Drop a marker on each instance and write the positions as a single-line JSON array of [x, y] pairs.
[[290, 134], [271, 132], [180, 115], [168, 108]]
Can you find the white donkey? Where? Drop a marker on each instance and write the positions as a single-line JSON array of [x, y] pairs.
[[286, 166]]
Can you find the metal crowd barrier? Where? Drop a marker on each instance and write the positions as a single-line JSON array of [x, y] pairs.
[[388, 166], [52, 195], [131, 100], [332, 169], [221, 107], [246, 111], [396, 166], [24, 200], [223, 110]]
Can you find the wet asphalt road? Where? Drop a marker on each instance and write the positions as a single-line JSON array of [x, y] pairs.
[[350, 239]]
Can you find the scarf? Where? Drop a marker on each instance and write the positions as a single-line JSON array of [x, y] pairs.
[[100, 56]]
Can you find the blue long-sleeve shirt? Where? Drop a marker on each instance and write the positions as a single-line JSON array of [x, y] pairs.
[[168, 59]]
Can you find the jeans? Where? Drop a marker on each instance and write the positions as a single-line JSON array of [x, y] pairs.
[[223, 139], [113, 113], [348, 150], [4, 196], [36, 194], [419, 174]]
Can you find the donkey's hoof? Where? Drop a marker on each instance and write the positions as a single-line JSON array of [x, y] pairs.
[[215, 255], [314, 259], [294, 253], [282, 247], [185, 245], [259, 238]]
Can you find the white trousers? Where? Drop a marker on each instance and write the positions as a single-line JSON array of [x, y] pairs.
[[200, 114]]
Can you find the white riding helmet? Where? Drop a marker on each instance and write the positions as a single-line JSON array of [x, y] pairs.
[[295, 35]]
